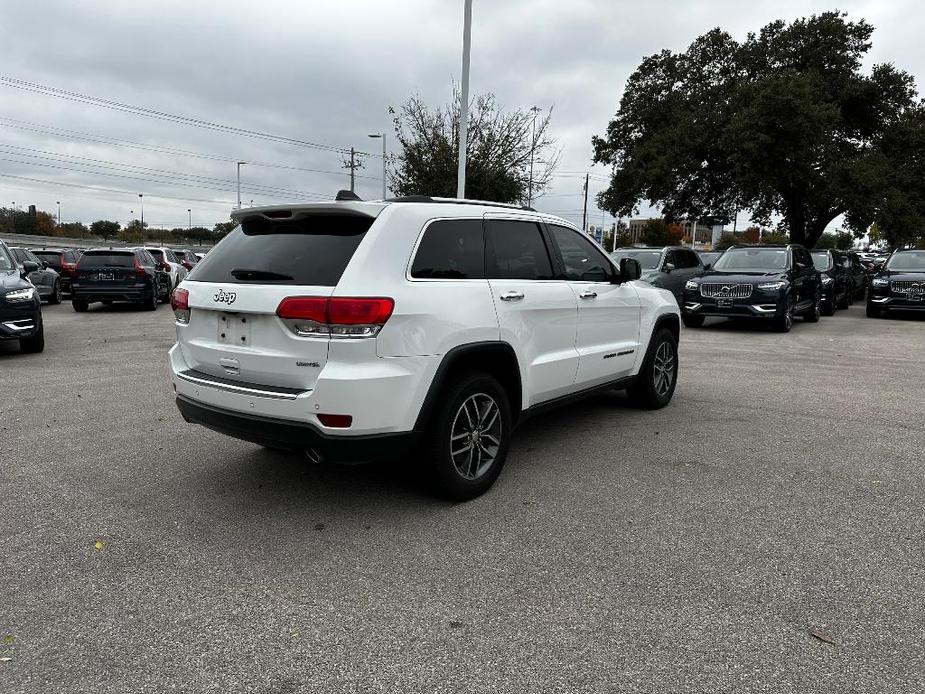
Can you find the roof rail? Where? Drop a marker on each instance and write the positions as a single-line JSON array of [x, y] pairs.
[[458, 201]]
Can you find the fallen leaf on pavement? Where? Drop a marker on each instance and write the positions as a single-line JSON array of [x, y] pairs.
[[99, 545], [822, 636]]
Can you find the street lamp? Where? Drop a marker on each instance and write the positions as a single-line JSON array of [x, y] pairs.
[[13, 214], [382, 135], [240, 163], [534, 110], [190, 223], [141, 197], [58, 203]]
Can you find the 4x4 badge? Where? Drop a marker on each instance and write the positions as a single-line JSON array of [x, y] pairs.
[[224, 297]]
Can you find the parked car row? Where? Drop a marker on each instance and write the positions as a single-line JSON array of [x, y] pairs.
[[774, 284]]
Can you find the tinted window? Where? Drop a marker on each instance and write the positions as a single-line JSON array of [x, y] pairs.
[[106, 259], [648, 260], [53, 257], [6, 262], [583, 262], [311, 250], [18, 254], [687, 259], [451, 249], [822, 261], [907, 260], [516, 251], [158, 255]]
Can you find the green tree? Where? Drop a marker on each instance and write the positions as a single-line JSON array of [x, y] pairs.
[[74, 230], [776, 237], [826, 241], [844, 240], [500, 146], [726, 240], [783, 123], [105, 229], [222, 229]]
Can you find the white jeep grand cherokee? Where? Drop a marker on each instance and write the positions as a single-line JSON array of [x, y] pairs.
[[356, 330]]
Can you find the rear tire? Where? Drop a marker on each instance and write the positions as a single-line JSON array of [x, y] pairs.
[[829, 308], [150, 304], [34, 344], [655, 384], [79, 305], [873, 311], [473, 421], [692, 321], [846, 302]]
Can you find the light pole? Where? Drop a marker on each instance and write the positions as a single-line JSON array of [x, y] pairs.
[[535, 110], [13, 215], [58, 203], [141, 197], [464, 102], [189, 224], [382, 135], [239, 183]]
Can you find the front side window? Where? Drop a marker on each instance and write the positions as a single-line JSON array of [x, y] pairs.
[[516, 251], [6, 262], [583, 261], [451, 249]]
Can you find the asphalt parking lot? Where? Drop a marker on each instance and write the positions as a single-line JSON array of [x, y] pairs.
[[762, 533]]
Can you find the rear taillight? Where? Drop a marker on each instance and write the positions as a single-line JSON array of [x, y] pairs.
[[188, 265], [335, 316], [165, 267], [179, 302], [68, 268], [140, 271]]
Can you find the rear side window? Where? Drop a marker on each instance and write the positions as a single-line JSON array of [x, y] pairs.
[[106, 259], [158, 255], [311, 250], [516, 251], [451, 249]]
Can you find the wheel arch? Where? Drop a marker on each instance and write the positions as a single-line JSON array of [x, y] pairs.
[[495, 358]]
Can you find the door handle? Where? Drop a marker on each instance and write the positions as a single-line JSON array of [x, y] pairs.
[[588, 294], [512, 296]]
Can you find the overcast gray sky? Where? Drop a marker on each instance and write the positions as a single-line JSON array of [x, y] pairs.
[[325, 72]]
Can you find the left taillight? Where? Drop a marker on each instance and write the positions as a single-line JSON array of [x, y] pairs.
[[347, 317], [179, 302]]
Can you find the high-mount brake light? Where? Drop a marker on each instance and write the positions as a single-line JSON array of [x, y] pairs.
[[346, 317]]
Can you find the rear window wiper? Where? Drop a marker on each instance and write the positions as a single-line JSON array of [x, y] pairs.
[[243, 274]]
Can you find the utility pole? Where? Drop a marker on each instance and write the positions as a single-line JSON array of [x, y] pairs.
[[464, 102], [189, 224], [141, 197], [239, 184], [535, 110], [352, 170], [59, 212], [584, 217]]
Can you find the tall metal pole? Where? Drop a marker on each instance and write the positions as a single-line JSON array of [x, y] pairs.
[[189, 224], [142, 198], [59, 212], [535, 109], [464, 102], [384, 169], [352, 168], [239, 184], [584, 217]]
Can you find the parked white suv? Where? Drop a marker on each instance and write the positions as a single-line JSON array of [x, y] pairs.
[[355, 330], [170, 262]]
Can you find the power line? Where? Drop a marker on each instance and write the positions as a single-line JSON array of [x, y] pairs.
[[54, 131], [160, 115]]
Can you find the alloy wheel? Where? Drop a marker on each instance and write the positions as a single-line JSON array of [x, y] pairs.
[[663, 369], [475, 436]]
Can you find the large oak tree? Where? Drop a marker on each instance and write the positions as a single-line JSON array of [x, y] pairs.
[[783, 123]]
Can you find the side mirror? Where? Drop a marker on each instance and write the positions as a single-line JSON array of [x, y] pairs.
[[44, 264], [669, 267], [707, 266], [29, 266], [630, 269]]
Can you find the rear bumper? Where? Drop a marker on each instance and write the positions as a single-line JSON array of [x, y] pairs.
[[280, 433], [88, 294]]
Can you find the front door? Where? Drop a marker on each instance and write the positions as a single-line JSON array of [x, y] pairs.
[[608, 313]]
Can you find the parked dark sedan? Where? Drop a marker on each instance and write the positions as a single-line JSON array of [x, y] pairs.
[[61, 260], [46, 280], [20, 306], [667, 267], [836, 290], [116, 274], [899, 285], [770, 283]]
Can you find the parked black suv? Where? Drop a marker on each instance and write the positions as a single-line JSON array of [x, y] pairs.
[[61, 260], [771, 283], [667, 267], [900, 284], [116, 274], [20, 306], [836, 291]]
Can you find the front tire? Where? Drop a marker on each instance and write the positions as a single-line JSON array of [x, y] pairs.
[[55, 297], [692, 321], [34, 344], [784, 322], [468, 436], [813, 314], [655, 384], [79, 305], [873, 311]]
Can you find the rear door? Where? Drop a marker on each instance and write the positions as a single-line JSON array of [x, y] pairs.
[[608, 313], [234, 292], [537, 313]]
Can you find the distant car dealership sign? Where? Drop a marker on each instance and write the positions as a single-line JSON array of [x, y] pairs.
[[596, 233]]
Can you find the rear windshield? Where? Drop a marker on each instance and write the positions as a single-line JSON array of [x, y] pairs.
[[158, 255], [52, 257], [312, 251], [103, 259]]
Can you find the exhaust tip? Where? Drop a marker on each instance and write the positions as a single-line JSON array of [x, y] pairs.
[[314, 456]]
